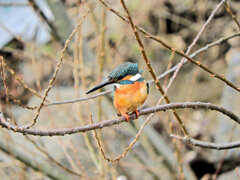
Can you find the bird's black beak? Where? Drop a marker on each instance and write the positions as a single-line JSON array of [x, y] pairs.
[[102, 84]]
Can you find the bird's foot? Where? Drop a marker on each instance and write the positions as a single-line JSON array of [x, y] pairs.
[[126, 116], [137, 114]]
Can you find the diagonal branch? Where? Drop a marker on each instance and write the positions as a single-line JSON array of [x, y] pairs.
[[150, 69], [193, 44], [211, 72], [232, 15]]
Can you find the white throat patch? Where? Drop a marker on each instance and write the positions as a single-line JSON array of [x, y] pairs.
[[136, 77], [117, 85]]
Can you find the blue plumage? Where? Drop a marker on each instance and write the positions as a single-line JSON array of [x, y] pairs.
[[124, 70], [125, 82]]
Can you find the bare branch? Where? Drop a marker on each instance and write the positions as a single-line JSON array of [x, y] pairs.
[[107, 123], [208, 145], [80, 99]]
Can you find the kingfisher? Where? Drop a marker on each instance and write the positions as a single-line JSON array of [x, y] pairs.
[[130, 88]]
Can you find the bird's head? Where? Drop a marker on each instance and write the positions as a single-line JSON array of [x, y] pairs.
[[127, 71]]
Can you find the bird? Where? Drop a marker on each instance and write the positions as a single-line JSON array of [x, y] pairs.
[[130, 88]]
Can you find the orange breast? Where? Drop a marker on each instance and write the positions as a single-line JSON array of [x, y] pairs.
[[128, 97]]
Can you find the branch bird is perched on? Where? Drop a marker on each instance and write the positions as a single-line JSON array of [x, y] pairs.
[[130, 88]]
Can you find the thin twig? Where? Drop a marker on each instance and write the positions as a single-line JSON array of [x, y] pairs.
[[18, 102], [217, 42], [107, 123], [127, 149], [232, 15], [79, 68], [6, 89], [4, 81], [55, 72], [13, 73], [208, 145]]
